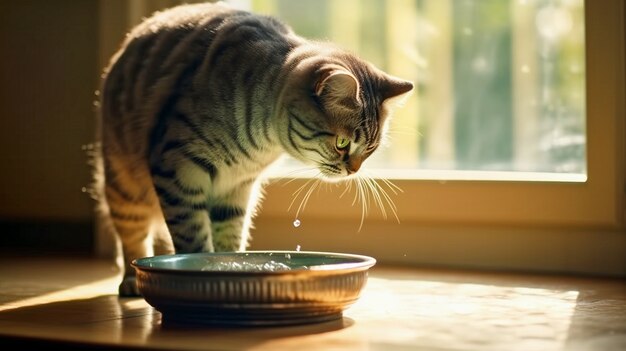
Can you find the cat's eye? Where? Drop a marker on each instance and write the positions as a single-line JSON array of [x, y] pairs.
[[342, 143]]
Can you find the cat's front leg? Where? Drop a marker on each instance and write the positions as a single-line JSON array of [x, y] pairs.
[[230, 217], [182, 188]]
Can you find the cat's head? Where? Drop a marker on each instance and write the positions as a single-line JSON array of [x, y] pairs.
[[335, 110]]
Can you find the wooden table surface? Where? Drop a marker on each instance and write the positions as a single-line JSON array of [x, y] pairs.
[[72, 302]]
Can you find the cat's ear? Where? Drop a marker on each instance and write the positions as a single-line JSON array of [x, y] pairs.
[[338, 87], [394, 92], [393, 87]]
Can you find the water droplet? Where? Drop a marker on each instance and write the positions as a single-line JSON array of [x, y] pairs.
[[83, 189], [296, 223], [297, 247]]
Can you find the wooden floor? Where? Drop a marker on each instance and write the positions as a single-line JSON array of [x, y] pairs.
[[72, 303]]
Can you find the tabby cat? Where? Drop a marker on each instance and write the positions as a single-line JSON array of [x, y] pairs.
[[200, 99]]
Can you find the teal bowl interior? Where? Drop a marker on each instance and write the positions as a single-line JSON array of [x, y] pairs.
[[255, 261]]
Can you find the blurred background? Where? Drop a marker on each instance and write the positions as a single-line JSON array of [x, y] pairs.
[[500, 87], [500, 83]]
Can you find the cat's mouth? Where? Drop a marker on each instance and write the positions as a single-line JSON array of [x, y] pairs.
[[335, 174]]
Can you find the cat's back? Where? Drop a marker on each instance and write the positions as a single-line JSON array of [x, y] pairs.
[[161, 56], [180, 39], [160, 38], [182, 18], [197, 24]]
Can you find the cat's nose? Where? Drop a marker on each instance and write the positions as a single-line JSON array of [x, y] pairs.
[[353, 164]]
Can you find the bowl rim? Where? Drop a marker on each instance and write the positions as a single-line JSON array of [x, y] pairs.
[[363, 264]]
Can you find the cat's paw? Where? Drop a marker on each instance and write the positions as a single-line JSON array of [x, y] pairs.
[[128, 287]]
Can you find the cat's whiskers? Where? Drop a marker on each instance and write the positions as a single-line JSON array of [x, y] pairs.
[[404, 131], [296, 193], [385, 195], [369, 188], [292, 175], [375, 194], [308, 193], [394, 188], [361, 191], [392, 206], [347, 189]]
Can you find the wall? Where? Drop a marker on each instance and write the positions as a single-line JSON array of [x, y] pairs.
[[48, 76]]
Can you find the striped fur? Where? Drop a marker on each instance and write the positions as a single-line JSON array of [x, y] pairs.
[[201, 99]]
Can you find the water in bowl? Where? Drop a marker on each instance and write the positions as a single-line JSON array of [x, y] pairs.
[[270, 266]]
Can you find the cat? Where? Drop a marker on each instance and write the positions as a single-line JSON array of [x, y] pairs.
[[200, 100]]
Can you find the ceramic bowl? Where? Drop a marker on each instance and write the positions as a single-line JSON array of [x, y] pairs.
[[254, 287]]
